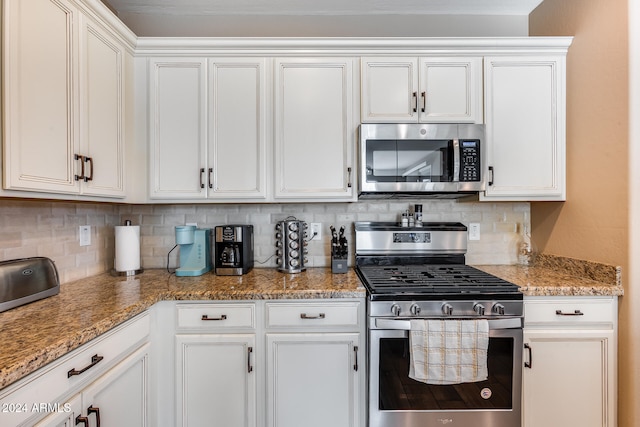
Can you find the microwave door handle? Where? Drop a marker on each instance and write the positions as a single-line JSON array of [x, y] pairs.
[[456, 160]]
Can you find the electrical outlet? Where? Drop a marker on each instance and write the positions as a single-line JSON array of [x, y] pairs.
[[316, 229], [85, 235], [474, 231]]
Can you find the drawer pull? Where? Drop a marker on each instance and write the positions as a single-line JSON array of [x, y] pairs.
[[222, 317], [306, 316], [83, 420], [95, 359], [93, 410], [575, 313]]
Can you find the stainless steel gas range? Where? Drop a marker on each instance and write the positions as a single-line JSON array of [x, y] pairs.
[[415, 274]]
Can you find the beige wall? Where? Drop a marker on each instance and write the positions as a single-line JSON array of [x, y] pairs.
[[149, 25], [593, 223]]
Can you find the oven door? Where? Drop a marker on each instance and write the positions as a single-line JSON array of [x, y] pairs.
[[397, 400]]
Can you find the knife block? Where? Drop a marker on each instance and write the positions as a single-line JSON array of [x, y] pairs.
[[339, 265]]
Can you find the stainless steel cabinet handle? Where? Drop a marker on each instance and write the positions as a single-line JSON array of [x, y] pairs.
[[81, 158], [424, 101], [249, 367], [83, 420], [415, 102], [575, 313], [210, 178], [93, 410], [306, 316], [490, 183], [90, 177], [222, 317], [201, 175], [95, 359], [355, 351], [348, 177], [529, 364]]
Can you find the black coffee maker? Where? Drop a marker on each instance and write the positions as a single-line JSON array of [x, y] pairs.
[[233, 252]]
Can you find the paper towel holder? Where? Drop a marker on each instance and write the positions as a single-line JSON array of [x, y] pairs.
[[128, 273]]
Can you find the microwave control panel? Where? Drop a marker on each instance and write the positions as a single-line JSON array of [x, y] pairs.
[[469, 160]]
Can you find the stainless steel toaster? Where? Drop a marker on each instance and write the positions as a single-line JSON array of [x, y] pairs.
[[26, 280]]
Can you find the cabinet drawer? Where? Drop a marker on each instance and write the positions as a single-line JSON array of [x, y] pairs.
[[312, 314], [569, 310], [216, 316], [73, 370]]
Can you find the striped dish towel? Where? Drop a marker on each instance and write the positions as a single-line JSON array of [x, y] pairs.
[[448, 351]]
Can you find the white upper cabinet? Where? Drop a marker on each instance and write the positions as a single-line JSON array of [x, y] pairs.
[[208, 128], [102, 111], [41, 95], [314, 129], [178, 132], [525, 127], [425, 89], [63, 115], [237, 128]]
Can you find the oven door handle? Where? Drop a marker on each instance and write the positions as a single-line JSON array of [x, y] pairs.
[[405, 324]]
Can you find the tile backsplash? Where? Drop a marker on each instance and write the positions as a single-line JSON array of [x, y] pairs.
[[50, 228]]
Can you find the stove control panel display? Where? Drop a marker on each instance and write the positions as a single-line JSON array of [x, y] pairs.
[[412, 237]]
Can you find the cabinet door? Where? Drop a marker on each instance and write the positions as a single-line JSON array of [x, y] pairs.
[[314, 130], [120, 396], [571, 379], [177, 103], [525, 128], [312, 380], [237, 128], [216, 380], [65, 415], [40, 95], [389, 89], [450, 90], [102, 127]]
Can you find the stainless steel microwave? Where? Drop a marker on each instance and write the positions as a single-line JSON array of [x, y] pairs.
[[420, 160]]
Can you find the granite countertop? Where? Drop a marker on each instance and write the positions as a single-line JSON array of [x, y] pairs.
[[560, 276], [36, 334]]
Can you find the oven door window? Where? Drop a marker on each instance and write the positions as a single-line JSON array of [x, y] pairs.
[[399, 392], [409, 160]]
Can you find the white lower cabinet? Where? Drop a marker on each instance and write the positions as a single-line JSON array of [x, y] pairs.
[[117, 398], [570, 370], [312, 379], [275, 363], [216, 380], [314, 362], [215, 364], [109, 375]]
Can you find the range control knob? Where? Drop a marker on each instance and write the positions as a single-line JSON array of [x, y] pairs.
[[447, 309], [414, 309], [498, 309], [479, 309], [395, 310]]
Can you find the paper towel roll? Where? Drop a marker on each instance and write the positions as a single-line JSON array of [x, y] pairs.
[[127, 248]]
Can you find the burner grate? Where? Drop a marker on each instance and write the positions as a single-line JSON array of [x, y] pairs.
[[432, 279]]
